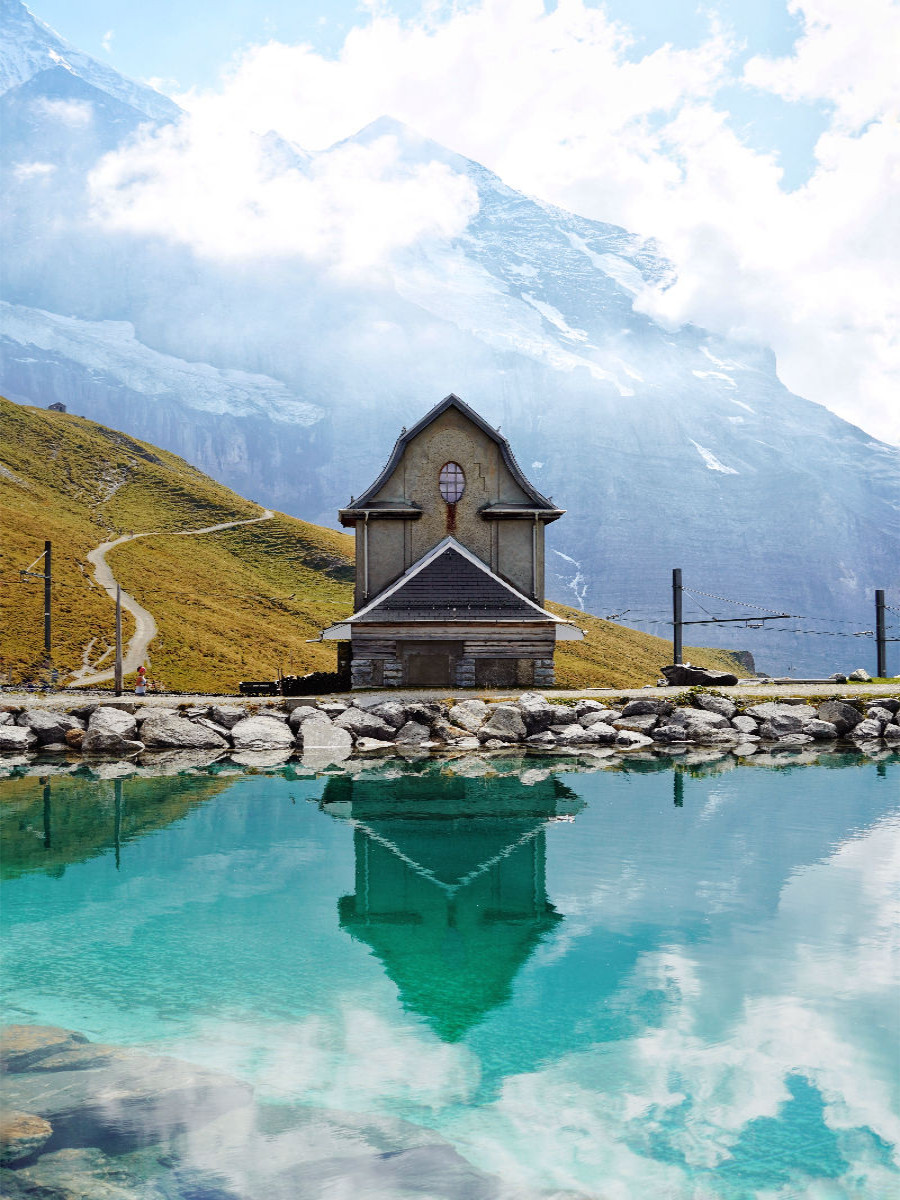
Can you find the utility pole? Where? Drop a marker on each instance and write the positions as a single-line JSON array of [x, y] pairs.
[[880, 639], [118, 673], [47, 581], [676, 616]]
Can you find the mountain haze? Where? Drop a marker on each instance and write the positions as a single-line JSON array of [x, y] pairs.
[[288, 380]]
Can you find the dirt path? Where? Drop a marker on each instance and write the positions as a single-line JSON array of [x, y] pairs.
[[145, 626]]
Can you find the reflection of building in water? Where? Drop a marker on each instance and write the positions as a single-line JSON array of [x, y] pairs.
[[450, 884]]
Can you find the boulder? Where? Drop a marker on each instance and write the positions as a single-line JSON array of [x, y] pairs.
[[631, 739], [682, 675], [890, 704], [174, 733], [394, 714], [333, 708], [145, 711], [820, 730], [47, 725], [780, 724], [597, 734], [588, 706], [227, 715], [111, 731], [837, 677], [446, 732], [879, 713], [842, 715], [744, 723], [319, 733], [16, 738], [22, 1134], [639, 724], [303, 712], [262, 733], [771, 708], [537, 713], [542, 741], [6, 718], [413, 733], [74, 738], [639, 708], [859, 676], [22, 1046], [696, 718], [606, 715], [506, 724], [891, 733], [208, 723], [364, 724], [717, 704], [865, 731], [425, 714], [367, 744], [670, 733]]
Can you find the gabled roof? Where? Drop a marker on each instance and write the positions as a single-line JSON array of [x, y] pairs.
[[451, 401]]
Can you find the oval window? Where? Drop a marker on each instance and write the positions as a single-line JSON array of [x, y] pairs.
[[453, 482]]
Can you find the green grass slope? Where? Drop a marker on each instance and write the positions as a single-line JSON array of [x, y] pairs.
[[236, 604]]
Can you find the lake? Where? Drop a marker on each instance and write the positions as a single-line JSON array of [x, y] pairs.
[[485, 977]]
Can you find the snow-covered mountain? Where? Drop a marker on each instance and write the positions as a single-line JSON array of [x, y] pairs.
[[289, 383]]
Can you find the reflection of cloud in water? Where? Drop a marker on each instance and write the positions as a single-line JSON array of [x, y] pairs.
[[697, 1084]]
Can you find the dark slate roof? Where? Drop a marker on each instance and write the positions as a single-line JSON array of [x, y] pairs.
[[451, 588], [451, 401]]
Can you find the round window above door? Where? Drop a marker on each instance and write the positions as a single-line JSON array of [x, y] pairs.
[[452, 482]]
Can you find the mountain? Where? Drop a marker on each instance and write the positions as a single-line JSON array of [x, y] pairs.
[[230, 604], [668, 447]]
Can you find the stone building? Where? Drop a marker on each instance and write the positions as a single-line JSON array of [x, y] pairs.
[[57, 407], [450, 564]]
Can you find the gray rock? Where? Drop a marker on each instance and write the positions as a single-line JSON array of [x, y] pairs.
[[587, 706], [79, 1174], [506, 724], [670, 733], [319, 733], [537, 713], [111, 731], [173, 733], [638, 724], [820, 730], [446, 732], [842, 715], [597, 734], [718, 704], [564, 714], [16, 738], [543, 740], [364, 724], [332, 708], [695, 718], [681, 675], [792, 739], [262, 733], [6, 718], [859, 676], [770, 708], [367, 744], [837, 677], [744, 723], [606, 715], [494, 744], [227, 714], [303, 712], [208, 723], [394, 714], [780, 724], [47, 725], [413, 734], [632, 739], [878, 713], [425, 714], [890, 704], [145, 711], [891, 733], [22, 1134], [865, 731], [638, 708]]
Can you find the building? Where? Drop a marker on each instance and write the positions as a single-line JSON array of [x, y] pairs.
[[57, 407], [450, 564]]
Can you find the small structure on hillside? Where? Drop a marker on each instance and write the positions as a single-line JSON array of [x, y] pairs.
[[57, 407], [450, 564]]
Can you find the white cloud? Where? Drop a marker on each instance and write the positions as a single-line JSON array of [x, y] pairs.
[[77, 114], [107, 40], [560, 105], [33, 170], [230, 194]]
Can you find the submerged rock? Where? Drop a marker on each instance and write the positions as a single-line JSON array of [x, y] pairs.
[[21, 1046], [22, 1134]]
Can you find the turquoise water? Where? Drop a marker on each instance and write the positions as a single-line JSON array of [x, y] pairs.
[[643, 982]]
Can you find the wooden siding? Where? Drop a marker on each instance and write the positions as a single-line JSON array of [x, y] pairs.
[[511, 640]]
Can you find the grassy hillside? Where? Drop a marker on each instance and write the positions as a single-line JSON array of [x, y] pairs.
[[232, 605]]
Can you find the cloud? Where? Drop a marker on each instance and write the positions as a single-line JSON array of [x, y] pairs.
[[230, 194], [77, 114], [33, 170], [107, 40], [562, 105]]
